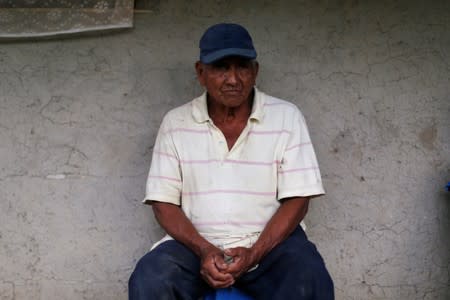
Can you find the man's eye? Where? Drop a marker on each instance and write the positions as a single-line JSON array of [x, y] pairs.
[[244, 65]]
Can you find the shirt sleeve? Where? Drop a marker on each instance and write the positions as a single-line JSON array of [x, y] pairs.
[[298, 172], [164, 180]]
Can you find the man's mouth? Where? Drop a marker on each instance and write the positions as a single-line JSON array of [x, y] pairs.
[[232, 92]]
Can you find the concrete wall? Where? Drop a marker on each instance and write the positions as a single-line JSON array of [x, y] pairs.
[[78, 118]]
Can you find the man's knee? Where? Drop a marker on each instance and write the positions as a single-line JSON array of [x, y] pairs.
[[301, 270], [152, 274], [309, 275], [170, 271]]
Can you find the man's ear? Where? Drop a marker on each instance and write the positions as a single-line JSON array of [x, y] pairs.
[[200, 70], [256, 66]]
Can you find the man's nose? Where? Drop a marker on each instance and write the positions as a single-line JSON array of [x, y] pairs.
[[232, 75]]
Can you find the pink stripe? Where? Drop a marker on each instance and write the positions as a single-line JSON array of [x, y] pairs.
[[207, 161], [228, 223], [187, 130], [165, 154], [298, 170], [164, 177], [298, 146], [268, 132], [259, 163], [231, 161], [229, 192]]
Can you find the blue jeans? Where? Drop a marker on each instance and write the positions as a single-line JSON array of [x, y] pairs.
[[292, 270]]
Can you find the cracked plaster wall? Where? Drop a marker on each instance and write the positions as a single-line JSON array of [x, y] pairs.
[[78, 118]]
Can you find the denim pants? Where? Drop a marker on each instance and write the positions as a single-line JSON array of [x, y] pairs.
[[292, 270]]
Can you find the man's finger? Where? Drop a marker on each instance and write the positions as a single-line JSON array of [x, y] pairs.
[[220, 263], [214, 272], [217, 283]]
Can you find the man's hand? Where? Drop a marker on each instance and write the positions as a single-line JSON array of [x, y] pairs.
[[213, 268], [243, 260]]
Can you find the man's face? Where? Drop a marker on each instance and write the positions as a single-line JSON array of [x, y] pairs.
[[229, 81]]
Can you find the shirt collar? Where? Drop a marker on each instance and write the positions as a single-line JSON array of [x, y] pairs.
[[200, 108]]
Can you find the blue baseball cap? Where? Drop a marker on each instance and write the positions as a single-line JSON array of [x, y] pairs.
[[225, 39]]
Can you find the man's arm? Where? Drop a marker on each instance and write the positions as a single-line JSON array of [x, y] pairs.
[[173, 220], [280, 226]]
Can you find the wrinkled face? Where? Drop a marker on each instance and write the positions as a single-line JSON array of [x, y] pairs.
[[229, 81]]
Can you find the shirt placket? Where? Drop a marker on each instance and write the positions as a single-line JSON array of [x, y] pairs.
[[219, 143]]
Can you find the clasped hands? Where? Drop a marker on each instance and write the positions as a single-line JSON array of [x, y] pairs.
[[220, 274]]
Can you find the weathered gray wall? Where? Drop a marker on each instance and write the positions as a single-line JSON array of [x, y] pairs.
[[78, 118]]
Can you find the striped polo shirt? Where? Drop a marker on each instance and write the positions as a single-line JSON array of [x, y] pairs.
[[230, 195]]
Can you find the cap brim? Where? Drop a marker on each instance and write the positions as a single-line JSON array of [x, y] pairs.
[[214, 56]]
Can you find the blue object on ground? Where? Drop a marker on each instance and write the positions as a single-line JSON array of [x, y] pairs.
[[448, 186], [227, 294]]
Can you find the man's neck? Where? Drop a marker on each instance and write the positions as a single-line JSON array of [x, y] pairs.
[[222, 114]]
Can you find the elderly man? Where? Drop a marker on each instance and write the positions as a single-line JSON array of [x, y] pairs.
[[231, 178]]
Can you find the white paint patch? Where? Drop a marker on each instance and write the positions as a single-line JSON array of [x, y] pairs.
[[56, 176]]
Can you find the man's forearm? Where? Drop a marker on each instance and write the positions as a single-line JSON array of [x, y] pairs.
[[173, 220], [281, 225]]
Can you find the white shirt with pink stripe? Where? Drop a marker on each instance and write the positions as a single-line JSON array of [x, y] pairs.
[[229, 195]]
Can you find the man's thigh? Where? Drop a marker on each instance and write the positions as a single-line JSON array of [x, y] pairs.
[[170, 271], [292, 270]]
